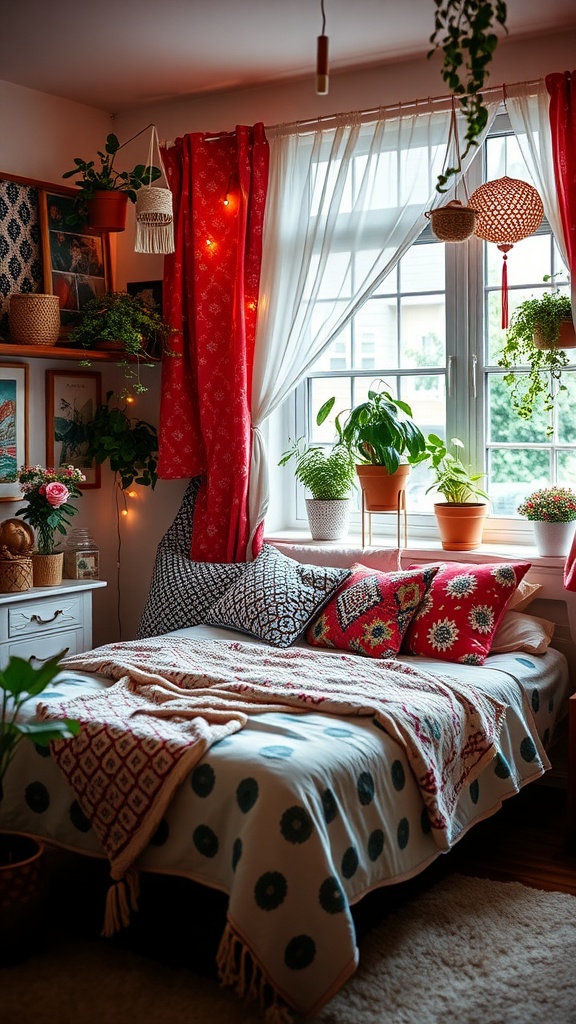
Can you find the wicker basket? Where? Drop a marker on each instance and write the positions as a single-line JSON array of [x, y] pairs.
[[34, 319], [15, 575], [453, 222]]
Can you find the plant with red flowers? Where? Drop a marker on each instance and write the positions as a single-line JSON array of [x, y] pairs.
[[47, 493], [550, 505]]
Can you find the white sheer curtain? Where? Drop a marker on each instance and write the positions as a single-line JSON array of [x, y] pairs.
[[348, 187], [527, 105]]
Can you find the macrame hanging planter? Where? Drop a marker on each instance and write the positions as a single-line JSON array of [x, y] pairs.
[[508, 210], [453, 222], [154, 213]]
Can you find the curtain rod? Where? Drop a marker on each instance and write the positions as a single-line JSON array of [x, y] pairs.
[[366, 115]]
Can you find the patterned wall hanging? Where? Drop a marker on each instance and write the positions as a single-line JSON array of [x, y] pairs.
[[20, 251]]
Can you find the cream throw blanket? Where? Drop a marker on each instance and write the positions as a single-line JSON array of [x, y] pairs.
[[175, 696]]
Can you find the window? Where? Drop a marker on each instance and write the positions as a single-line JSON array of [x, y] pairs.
[[431, 332]]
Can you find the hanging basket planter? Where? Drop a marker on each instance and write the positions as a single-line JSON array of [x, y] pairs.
[[453, 222], [566, 337]]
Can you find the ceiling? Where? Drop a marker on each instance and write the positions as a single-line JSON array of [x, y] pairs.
[[116, 55]]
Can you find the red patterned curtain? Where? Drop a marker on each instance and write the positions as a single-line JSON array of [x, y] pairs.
[[562, 112], [211, 285]]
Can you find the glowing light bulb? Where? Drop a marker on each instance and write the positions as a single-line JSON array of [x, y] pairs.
[[131, 494], [124, 512]]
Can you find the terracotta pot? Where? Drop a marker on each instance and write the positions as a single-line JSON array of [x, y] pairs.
[[460, 524], [380, 489], [566, 337], [107, 211], [47, 569]]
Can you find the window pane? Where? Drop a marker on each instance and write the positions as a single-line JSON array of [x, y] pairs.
[[426, 396], [565, 409], [337, 356], [423, 331], [512, 474], [566, 469], [321, 389], [504, 158], [503, 423], [528, 260], [375, 335], [422, 269]]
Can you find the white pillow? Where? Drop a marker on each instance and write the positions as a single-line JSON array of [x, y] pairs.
[[520, 632]]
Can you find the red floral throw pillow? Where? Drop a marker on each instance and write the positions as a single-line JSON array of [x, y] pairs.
[[370, 612], [459, 615]]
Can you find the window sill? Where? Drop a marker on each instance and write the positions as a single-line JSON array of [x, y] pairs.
[[429, 548]]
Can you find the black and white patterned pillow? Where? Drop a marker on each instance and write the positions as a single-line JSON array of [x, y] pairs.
[[182, 591], [276, 598]]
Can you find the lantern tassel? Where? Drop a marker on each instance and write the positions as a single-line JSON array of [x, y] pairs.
[[504, 249]]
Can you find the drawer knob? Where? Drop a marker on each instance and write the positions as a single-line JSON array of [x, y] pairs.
[[44, 622]]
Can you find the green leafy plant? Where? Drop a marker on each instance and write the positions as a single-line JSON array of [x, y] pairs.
[[124, 318], [453, 479], [542, 317], [20, 683], [381, 432], [463, 31], [129, 445], [105, 178], [328, 476]]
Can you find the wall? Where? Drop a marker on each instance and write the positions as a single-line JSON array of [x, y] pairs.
[[40, 137]]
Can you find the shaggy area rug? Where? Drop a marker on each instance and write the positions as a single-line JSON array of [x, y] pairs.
[[467, 951]]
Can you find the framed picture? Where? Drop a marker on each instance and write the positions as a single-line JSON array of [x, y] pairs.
[[76, 259], [13, 427], [149, 291], [71, 402]]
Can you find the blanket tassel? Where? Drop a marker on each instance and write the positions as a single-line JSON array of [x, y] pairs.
[[238, 971], [121, 898]]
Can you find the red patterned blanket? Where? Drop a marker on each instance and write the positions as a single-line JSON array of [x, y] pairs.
[[174, 697]]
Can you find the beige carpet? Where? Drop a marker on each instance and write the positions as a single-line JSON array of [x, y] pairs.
[[468, 951]]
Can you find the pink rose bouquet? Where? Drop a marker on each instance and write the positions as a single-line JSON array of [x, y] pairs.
[[47, 493]]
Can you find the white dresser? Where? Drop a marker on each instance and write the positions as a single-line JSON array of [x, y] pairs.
[[42, 622]]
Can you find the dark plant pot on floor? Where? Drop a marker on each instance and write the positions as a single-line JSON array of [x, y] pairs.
[[22, 896]]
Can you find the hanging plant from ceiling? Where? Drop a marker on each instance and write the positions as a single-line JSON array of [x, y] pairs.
[[463, 31]]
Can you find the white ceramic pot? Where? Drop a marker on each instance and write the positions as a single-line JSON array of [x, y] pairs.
[[328, 520], [553, 538]]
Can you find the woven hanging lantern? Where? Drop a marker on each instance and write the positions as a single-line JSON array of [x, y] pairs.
[[154, 214], [507, 210]]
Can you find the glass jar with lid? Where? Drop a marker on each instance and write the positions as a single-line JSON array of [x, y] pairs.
[[81, 556]]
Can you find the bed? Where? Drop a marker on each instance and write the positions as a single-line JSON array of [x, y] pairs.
[[318, 774]]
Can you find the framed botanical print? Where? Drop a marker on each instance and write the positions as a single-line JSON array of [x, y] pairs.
[[13, 427], [76, 258], [71, 402]]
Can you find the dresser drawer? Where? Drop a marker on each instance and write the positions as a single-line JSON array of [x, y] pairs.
[[40, 649], [35, 618]]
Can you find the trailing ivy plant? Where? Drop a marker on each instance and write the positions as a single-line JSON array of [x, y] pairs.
[[543, 379], [463, 31], [130, 445]]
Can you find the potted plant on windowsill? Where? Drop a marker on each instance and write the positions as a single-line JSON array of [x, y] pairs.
[[460, 517], [21, 855], [385, 442], [552, 512], [329, 477], [103, 192], [540, 331]]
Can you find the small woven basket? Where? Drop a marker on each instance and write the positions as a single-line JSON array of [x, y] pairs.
[[15, 575], [453, 222], [34, 318], [47, 569]]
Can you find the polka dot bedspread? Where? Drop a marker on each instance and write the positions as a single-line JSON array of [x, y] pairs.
[[296, 817]]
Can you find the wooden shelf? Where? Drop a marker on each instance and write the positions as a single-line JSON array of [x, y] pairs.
[[63, 352]]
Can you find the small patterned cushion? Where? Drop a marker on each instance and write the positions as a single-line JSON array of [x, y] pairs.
[[371, 611], [182, 591], [276, 597], [459, 615]]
